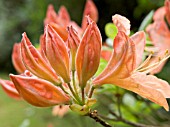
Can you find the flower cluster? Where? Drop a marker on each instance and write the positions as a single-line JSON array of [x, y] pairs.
[[62, 71]]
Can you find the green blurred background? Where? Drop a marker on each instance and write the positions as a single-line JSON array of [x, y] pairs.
[[18, 16]]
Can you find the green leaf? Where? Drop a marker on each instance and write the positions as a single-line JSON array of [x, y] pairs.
[[102, 66], [111, 30], [147, 20]]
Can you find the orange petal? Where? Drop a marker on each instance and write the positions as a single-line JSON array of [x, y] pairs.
[[139, 41], [88, 54], [51, 15], [35, 63], [60, 110], [64, 16], [39, 92], [16, 58], [147, 86], [106, 54], [122, 61], [62, 32], [91, 11], [10, 89], [122, 23], [73, 43], [57, 53]]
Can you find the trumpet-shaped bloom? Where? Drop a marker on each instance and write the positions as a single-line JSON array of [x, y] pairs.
[[57, 53], [88, 54], [122, 23], [10, 89], [62, 20], [35, 63], [72, 42], [51, 65], [159, 32], [38, 92], [121, 71], [16, 58]]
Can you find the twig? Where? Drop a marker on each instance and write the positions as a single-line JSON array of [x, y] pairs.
[[119, 118], [94, 115]]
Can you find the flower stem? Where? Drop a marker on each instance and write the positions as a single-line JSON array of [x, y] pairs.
[[76, 96], [74, 84], [91, 92], [82, 92], [121, 119]]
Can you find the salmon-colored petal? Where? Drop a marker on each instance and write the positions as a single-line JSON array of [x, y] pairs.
[[35, 63], [51, 15], [122, 23], [57, 53], [122, 62], [10, 89], [88, 53], [16, 58], [106, 54], [64, 16], [60, 110], [62, 31], [159, 34], [91, 11], [159, 14], [77, 28], [139, 40], [39, 92], [72, 43], [147, 86]]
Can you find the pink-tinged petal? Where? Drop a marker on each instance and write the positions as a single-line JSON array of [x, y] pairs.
[[91, 11], [51, 15], [39, 92], [167, 8], [10, 89], [106, 54], [57, 53], [160, 37], [60, 110], [72, 43], [139, 40], [88, 53], [147, 86], [122, 23], [159, 14], [64, 16], [62, 31], [35, 63], [77, 28], [122, 61], [16, 58]]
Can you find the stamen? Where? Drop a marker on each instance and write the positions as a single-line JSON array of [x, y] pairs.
[[151, 67], [146, 61]]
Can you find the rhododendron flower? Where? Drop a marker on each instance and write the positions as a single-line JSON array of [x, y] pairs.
[[124, 71], [159, 32], [60, 110], [62, 20], [7, 85], [122, 23], [51, 80], [16, 58], [10, 89]]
